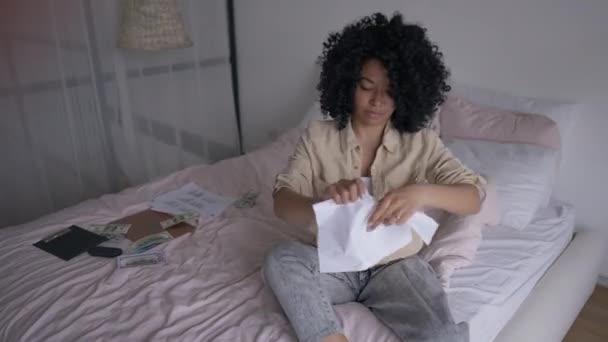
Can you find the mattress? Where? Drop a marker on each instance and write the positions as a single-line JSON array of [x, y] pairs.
[[507, 266], [487, 293], [211, 289]]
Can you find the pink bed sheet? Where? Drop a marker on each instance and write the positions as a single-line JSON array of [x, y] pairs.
[[210, 290]]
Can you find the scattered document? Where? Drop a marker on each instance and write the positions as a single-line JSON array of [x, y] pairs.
[[191, 198]]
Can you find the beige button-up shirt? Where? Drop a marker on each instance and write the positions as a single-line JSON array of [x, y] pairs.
[[326, 155]]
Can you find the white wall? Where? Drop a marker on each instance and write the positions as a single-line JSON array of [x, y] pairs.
[[80, 118], [549, 48]]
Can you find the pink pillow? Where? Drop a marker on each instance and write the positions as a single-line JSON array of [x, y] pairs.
[[460, 118], [458, 237], [435, 124]]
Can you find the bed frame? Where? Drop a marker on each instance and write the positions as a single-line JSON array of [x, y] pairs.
[[555, 302]]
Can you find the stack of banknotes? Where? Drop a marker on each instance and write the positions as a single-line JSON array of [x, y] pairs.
[[112, 231], [146, 259]]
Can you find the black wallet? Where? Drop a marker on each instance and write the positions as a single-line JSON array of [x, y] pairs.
[[69, 242]]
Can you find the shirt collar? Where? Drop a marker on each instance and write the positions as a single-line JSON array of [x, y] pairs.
[[390, 139]]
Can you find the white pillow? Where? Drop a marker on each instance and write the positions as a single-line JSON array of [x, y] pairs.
[[522, 173]]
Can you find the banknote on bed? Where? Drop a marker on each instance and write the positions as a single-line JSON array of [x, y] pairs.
[[186, 217], [149, 242], [247, 200], [146, 259], [111, 231]]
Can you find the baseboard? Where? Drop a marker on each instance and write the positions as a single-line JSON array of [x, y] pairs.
[[603, 281]]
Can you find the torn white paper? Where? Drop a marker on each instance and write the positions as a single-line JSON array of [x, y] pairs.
[[346, 245]]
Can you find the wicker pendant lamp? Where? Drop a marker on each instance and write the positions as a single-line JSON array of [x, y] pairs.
[[152, 25]]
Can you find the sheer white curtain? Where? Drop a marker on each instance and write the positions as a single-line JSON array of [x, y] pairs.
[[80, 118]]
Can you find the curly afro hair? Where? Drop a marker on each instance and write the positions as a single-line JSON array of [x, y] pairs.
[[415, 67]]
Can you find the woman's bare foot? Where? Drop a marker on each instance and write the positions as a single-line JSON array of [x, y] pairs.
[[335, 338]]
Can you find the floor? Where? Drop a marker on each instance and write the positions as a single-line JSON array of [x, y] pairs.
[[592, 323]]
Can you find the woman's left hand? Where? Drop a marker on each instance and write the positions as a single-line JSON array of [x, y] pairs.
[[398, 205]]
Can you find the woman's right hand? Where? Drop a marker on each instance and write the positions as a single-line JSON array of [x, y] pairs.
[[346, 191]]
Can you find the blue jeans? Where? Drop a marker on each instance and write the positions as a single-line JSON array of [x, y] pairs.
[[405, 295]]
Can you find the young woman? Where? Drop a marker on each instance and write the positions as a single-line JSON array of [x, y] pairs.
[[381, 82]]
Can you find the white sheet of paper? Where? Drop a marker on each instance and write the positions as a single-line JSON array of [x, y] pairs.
[[346, 245], [191, 198]]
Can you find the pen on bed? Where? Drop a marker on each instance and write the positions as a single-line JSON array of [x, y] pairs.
[[56, 235]]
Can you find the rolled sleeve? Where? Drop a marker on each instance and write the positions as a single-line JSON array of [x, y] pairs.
[[444, 168], [297, 175]]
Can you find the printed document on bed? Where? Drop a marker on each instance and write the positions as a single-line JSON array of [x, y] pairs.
[[191, 198], [345, 244]]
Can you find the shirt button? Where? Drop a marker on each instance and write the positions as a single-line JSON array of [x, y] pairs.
[[356, 167]]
